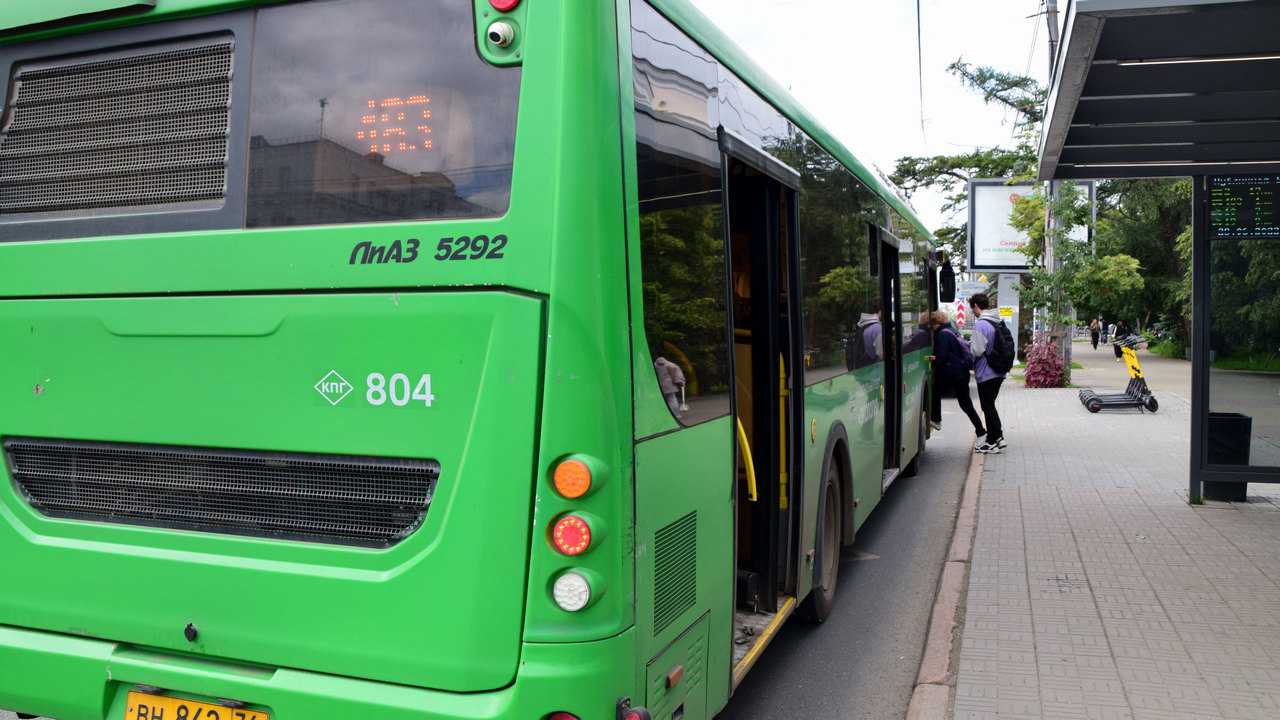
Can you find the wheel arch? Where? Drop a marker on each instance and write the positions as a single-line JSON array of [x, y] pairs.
[[837, 451]]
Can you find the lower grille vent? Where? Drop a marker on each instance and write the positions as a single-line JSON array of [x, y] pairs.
[[337, 499]]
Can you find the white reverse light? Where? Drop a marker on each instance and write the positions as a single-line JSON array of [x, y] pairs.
[[571, 591]]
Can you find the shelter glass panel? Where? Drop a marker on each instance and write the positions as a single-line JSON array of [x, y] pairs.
[[1244, 345]]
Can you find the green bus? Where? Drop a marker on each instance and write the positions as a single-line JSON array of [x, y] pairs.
[[429, 359]]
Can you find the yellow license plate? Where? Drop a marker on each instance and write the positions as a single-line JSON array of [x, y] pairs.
[[142, 706]]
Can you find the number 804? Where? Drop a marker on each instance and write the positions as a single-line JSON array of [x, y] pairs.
[[397, 390]]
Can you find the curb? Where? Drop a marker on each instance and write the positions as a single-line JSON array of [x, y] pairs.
[[931, 697]]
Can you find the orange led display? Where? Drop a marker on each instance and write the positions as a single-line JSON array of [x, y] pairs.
[[389, 122]]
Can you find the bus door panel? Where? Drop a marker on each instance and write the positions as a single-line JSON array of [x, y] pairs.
[[890, 304], [761, 222]]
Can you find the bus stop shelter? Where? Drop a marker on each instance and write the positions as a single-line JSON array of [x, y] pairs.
[[1143, 88]]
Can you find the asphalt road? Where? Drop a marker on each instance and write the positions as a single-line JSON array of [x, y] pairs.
[[861, 664]]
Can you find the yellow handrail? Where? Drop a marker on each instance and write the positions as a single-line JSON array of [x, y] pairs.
[[745, 448]]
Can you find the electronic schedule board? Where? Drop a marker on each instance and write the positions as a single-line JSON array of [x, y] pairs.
[[1244, 206]]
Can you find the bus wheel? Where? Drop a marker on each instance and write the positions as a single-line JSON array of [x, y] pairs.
[[817, 606]]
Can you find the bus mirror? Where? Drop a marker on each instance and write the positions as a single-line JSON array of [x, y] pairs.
[[946, 283]]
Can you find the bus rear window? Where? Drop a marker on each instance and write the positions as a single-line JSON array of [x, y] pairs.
[[376, 110]]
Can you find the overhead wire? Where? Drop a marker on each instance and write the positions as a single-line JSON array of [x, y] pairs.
[[1031, 53], [920, 70]]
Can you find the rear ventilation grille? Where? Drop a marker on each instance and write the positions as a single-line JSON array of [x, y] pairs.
[[337, 499], [118, 130], [675, 557]]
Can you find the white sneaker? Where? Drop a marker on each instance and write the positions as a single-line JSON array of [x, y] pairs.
[[935, 425], [988, 449], [1001, 444]]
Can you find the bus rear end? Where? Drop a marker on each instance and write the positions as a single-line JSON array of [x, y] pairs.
[[296, 335]]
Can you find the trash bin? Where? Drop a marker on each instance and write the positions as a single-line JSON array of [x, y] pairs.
[[1229, 435], [1228, 444]]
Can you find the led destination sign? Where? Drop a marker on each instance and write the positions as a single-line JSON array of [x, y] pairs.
[[1244, 206], [396, 125]]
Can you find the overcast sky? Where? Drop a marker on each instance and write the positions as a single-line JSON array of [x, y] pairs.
[[853, 64]]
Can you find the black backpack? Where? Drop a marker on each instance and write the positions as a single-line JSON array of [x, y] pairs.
[[1000, 354], [855, 350]]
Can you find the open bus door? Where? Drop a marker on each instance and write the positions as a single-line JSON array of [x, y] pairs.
[[762, 229], [884, 247]]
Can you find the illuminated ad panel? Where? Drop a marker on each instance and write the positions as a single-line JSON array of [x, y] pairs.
[[993, 244]]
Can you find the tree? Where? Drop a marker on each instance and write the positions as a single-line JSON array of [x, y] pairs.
[[1083, 277], [950, 174], [1245, 281], [1147, 219]]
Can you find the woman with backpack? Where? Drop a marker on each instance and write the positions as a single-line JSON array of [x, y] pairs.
[[951, 365]]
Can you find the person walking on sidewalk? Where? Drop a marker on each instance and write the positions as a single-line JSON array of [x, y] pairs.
[[1094, 329], [952, 360], [1120, 333], [985, 333]]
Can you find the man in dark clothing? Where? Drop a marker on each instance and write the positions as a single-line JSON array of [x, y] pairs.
[[989, 381], [1122, 331]]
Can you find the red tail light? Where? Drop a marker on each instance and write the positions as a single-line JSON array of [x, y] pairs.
[[571, 535]]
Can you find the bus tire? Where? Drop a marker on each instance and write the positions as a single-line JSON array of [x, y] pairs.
[[822, 597]]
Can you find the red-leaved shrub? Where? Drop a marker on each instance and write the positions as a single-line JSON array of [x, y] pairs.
[[1044, 365]]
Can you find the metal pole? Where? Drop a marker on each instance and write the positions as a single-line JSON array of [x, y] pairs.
[[1051, 16]]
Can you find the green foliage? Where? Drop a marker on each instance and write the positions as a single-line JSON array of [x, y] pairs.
[[683, 251], [1020, 93], [1245, 302], [1167, 349], [1252, 362], [1081, 276], [950, 174], [1138, 264], [1149, 219]]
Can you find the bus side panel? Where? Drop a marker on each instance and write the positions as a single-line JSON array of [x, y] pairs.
[[684, 546]]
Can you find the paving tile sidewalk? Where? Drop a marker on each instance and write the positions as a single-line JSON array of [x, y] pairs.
[[1096, 591]]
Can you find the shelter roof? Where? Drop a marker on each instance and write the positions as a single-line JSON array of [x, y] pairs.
[[1150, 88]]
